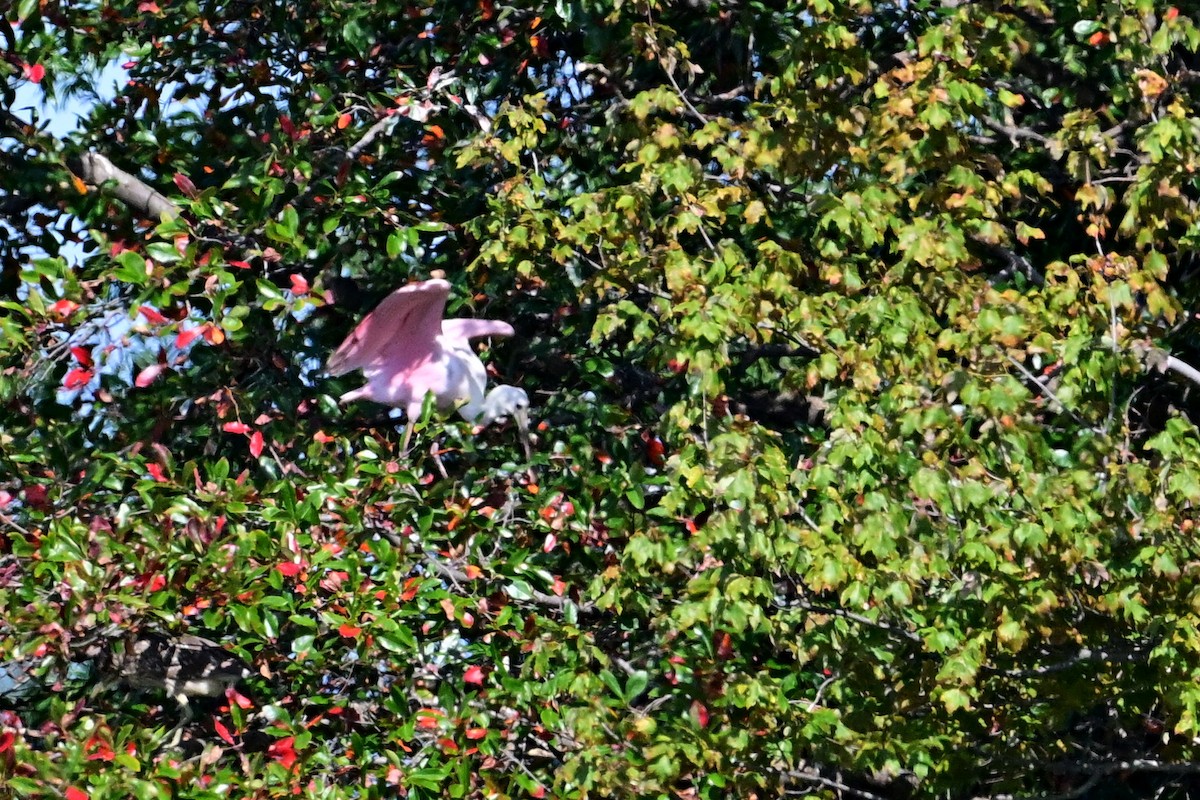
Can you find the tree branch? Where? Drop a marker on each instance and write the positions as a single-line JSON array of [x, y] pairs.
[[96, 170], [1161, 360]]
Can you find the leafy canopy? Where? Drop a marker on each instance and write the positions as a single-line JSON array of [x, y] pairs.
[[859, 335]]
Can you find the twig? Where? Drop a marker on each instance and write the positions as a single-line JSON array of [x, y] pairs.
[[455, 575], [1045, 390], [804, 605], [1079, 791], [12, 523], [1013, 132], [838, 786], [355, 149]]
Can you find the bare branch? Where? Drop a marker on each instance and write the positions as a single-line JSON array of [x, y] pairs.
[[1161, 360], [368, 137], [96, 170]]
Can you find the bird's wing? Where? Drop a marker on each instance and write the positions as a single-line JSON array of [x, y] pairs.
[[471, 328], [404, 324]]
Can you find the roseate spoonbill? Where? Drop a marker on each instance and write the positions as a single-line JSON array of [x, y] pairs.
[[405, 350]]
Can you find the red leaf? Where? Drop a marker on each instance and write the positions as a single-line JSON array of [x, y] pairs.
[[74, 793], [550, 543], [64, 307], [239, 264], [37, 496], [700, 713], [148, 375], [6, 741], [187, 336], [474, 674], [656, 451], [343, 121], [1098, 38], [156, 472], [289, 568], [235, 427], [82, 355], [1171, 13], [299, 284], [152, 315], [288, 128], [323, 437], [222, 731], [35, 72], [448, 745], [348, 631], [150, 7], [99, 750], [157, 582], [538, 792], [476, 733], [238, 699], [284, 751], [185, 185], [429, 718], [77, 378], [256, 444]]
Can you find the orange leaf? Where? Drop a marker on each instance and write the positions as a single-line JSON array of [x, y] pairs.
[[187, 336], [343, 121], [348, 631]]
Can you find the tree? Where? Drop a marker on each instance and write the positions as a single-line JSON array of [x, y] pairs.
[[860, 337]]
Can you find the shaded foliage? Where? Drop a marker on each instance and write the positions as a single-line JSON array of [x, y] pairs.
[[859, 335]]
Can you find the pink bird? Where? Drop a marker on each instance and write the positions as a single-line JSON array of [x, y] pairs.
[[406, 350]]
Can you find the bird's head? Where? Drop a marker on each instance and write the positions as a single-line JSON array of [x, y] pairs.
[[506, 401]]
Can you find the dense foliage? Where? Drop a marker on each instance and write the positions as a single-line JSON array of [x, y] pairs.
[[858, 336]]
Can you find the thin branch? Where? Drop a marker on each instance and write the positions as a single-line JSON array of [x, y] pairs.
[[12, 523], [456, 576], [1136, 653], [829, 611], [1079, 791], [1013, 132], [368, 137], [1045, 390], [838, 786]]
